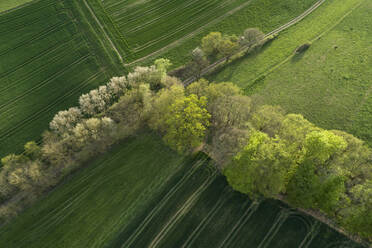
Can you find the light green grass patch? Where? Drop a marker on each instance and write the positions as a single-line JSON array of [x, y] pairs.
[[331, 83], [246, 72], [10, 4]]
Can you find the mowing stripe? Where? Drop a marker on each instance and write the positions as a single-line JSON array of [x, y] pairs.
[[45, 82], [221, 201], [239, 224], [37, 37], [161, 204], [182, 211], [282, 216], [41, 54], [37, 114], [313, 232]]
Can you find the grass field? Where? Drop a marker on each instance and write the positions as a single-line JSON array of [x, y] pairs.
[[143, 195], [46, 63], [10, 4], [331, 82], [249, 71], [173, 28]]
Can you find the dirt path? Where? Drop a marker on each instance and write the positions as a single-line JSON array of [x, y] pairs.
[[276, 31], [103, 30]]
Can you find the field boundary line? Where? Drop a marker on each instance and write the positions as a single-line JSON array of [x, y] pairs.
[[275, 31], [192, 34], [161, 204], [182, 211], [104, 31]]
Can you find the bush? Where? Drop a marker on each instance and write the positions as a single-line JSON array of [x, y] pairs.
[[303, 48]]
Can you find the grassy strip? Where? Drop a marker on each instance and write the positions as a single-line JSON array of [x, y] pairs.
[[266, 15]]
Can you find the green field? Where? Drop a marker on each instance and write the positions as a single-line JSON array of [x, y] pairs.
[[330, 84], [10, 4], [248, 71], [143, 195], [47, 60], [338, 95], [173, 28]]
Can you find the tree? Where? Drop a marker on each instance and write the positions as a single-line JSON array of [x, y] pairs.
[[132, 109], [227, 46], [32, 150], [261, 168], [161, 104], [225, 144], [118, 86], [315, 184], [210, 43], [148, 75], [230, 112], [96, 101], [359, 217], [162, 65], [251, 36], [64, 121], [186, 123], [198, 62], [268, 119]]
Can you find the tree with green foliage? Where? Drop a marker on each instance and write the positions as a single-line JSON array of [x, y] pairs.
[[198, 62], [261, 168], [162, 66], [161, 104], [251, 36], [268, 119], [227, 46], [186, 121], [210, 43], [315, 184]]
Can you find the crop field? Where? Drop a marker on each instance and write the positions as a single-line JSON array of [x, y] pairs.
[[143, 195], [171, 29], [97, 201], [46, 63]]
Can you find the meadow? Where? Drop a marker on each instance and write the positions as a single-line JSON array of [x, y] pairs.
[[338, 95], [143, 195], [173, 29], [329, 83], [248, 71], [47, 62]]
